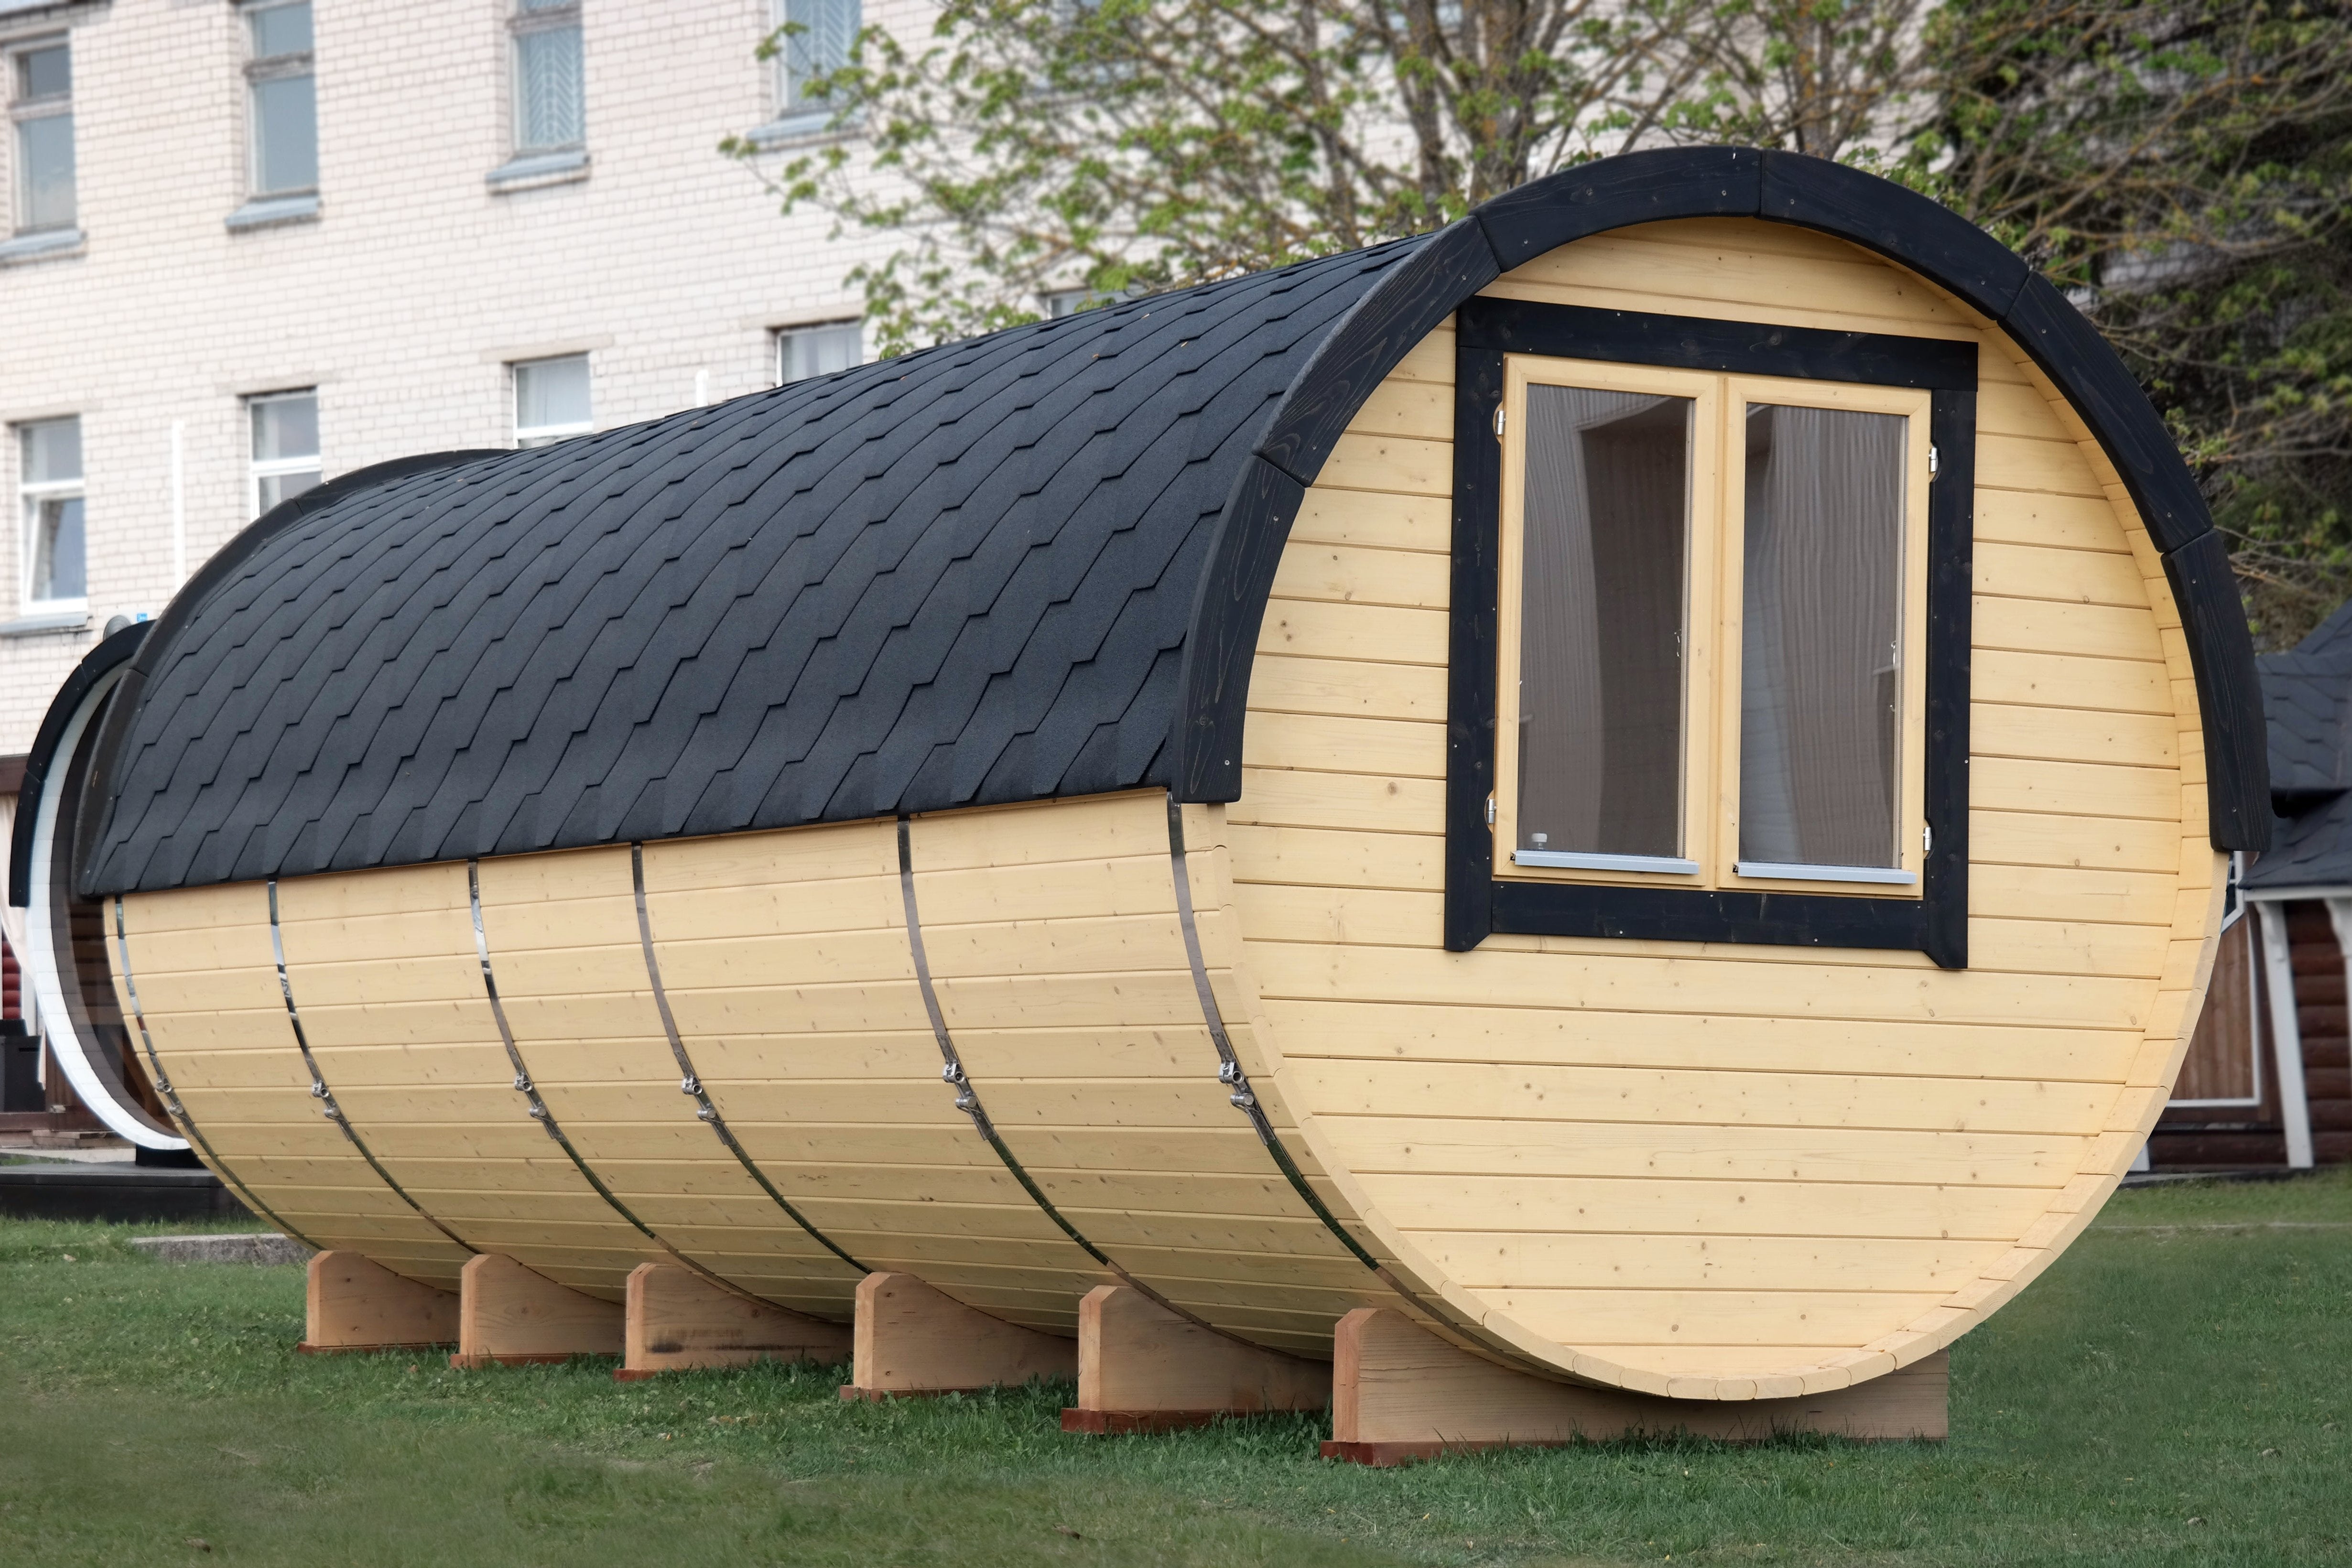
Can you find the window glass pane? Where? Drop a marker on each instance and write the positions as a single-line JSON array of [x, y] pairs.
[[285, 427], [285, 135], [819, 350], [826, 29], [551, 393], [44, 72], [1601, 608], [280, 30], [51, 450], [45, 152], [1820, 680], [57, 547], [271, 488], [548, 79]]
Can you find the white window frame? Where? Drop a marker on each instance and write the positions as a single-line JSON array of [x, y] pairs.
[[784, 335], [22, 109], [259, 469], [527, 18], [30, 495], [261, 69], [791, 105], [530, 435]]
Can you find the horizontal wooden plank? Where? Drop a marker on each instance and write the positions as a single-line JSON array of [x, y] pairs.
[[1832, 1319], [1644, 1206], [1561, 1096], [1273, 796], [1369, 518], [1699, 987], [2046, 626], [1566, 1035], [1093, 886], [2072, 789], [1396, 464], [2056, 467], [1334, 857], [2046, 521], [1283, 684], [1412, 1143], [1431, 359], [1367, 632], [2074, 735], [1346, 744], [1403, 406], [2054, 680], [1353, 574], [2069, 576], [1639, 293], [1720, 270], [2033, 839]]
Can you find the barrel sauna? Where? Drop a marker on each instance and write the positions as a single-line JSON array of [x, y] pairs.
[[1642, 780]]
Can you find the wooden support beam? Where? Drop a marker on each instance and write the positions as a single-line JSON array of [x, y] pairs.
[[678, 1319], [1399, 1394], [1141, 1368], [910, 1339], [508, 1315], [352, 1303]]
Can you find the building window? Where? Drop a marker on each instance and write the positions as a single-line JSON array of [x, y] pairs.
[[551, 400], [284, 446], [549, 97], [1708, 550], [283, 98], [819, 350], [816, 39], [40, 102], [55, 553]]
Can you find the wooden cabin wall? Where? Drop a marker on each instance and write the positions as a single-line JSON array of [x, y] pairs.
[[1634, 1148], [2318, 961], [2230, 1057]]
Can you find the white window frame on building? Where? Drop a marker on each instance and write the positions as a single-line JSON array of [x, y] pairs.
[[532, 427], [823, 33], [278, 474], [818, 348], [275, 110], [547, 62], [40, 111], [38, 494]]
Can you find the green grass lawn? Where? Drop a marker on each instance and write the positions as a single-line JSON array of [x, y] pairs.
[[2176, 1390]]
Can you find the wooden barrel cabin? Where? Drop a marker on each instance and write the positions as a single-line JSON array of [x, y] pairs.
[[1642, 780]]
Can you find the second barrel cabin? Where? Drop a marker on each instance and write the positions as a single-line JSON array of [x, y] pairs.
[[1642, 780]]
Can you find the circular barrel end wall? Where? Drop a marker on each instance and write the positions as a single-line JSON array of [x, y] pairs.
[[1645, 780]]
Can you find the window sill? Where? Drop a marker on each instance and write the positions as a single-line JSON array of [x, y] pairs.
[[46, 620], [269, 212], [1764, 871], [532, 170], [1573, 860], [41, 244], [796, 129]]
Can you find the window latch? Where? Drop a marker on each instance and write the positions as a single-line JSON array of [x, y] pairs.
[[1490, 811], [1928, 839], [1935, 461], [1499, 421]]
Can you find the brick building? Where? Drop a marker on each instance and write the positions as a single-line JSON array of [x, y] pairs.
[[248, 247]]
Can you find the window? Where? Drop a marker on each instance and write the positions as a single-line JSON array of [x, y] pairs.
[[550, 98], [40, 102], [805, 351], [817, 37], [283, 96], [284, 446], [55, 553], [1708, 552], [551, 400]]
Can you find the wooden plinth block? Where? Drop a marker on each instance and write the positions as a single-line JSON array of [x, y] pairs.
[[1141, 1368], [1399, 1393], [508, 1315], [910, 1339], [354, 1303], [678, 1319]]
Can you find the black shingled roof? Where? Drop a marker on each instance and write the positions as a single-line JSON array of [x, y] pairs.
[[2307, 698], [956, 577]]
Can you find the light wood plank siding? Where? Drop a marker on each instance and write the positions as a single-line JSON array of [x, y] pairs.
[[1700, 1165]]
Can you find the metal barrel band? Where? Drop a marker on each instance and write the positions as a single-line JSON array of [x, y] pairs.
[[691, 1082], [325, 1094], [528, 1087], [968, 1094], [171, 1097]]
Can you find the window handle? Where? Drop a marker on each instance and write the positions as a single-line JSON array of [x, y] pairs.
[[1499, 421]]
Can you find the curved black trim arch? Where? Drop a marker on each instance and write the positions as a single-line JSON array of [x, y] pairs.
[[110, 653], [1412, 298]]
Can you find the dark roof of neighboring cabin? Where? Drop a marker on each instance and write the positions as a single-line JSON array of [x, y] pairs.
[[1027, 565], [2305, 696]]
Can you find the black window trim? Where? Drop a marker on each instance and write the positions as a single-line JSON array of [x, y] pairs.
[[1476, 902]]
